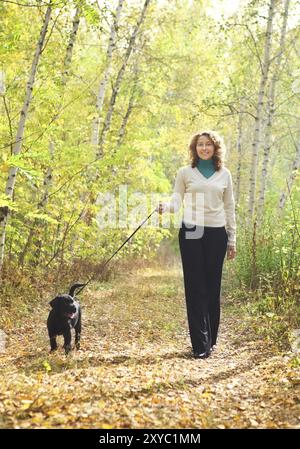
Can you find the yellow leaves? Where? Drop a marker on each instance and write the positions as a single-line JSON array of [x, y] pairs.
[[60, 419], [36, 215], [5, 200], [25, 404], [47, 366], [54, 412], [156, 400], [118, 381], [206, 394], [38, 419], [4, 164], [40, 376]]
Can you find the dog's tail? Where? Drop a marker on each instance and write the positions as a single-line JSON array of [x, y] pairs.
[[75, 287]]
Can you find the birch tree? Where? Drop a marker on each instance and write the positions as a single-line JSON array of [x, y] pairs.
[[17, 146], [118, 80], [239, 151], [291, 178], [70, 47], [35, 232], [265, 65], [271, 110], [131, 101], [106, 76]]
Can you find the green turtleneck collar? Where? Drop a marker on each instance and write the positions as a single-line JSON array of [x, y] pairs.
[[206, 167]]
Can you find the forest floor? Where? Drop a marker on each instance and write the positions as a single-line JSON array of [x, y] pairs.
[[134, 369]]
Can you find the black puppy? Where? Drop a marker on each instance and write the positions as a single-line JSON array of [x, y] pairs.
[[65, 315]]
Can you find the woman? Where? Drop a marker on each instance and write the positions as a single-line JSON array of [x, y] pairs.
[[207, 232]]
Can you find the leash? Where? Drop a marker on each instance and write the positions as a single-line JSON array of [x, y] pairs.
[[102, 268]]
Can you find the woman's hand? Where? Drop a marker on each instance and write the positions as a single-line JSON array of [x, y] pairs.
[[161, 208], [231, 252]]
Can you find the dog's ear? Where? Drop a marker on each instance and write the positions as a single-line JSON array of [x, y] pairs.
[[54, 302]]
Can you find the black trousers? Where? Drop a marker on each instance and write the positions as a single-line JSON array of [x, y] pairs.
[[202, 262]]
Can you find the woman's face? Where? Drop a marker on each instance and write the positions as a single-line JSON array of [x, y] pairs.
[[205, 147]]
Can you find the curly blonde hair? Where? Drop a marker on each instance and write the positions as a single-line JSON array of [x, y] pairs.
[[219, 148]]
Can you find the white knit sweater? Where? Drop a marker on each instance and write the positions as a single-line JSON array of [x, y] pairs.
[[207, 201]]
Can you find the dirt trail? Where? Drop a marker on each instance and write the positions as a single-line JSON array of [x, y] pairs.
[[135, 371]]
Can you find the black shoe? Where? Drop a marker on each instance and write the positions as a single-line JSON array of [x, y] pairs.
[[200, 355]]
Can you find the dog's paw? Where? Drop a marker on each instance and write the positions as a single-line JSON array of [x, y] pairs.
[[67, 349], [53, 350], [77, 346]]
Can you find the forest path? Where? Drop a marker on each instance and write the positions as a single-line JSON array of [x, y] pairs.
[[135, 370]]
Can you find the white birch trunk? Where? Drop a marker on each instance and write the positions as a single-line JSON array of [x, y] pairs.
[[270, 112], [239, 151], [259, 109], [41, 205], [2, 83], [130, 107], [117, 84], [106, 76], [125, 119], [290, 180], [70, 47], [48, 175], [47, 179], [17, 146]]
